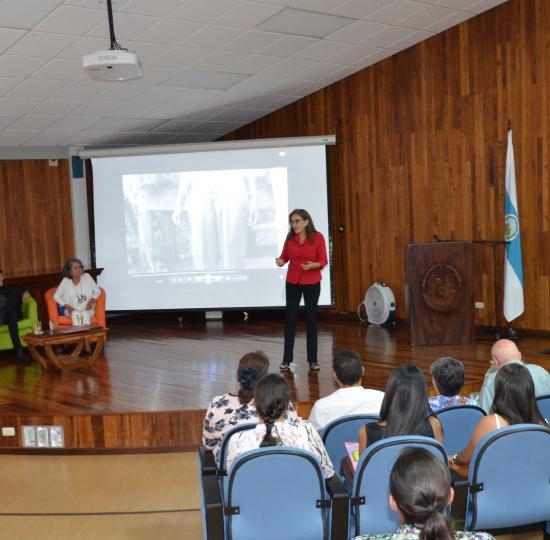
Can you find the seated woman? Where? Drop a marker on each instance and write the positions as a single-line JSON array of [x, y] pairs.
[[514, 403], [231, 409], [420, 491], [272, 397], [77, 293], [448, 380], [404, 410]]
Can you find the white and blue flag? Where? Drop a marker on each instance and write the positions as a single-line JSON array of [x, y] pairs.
[[513, 268]]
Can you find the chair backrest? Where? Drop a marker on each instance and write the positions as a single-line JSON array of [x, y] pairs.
[[343, 429], [275, 493], [370, 491], [509, 478], [222, 456], [458, 424], [543, 401]]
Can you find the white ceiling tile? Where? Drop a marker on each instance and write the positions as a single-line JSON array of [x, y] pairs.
[[33, 123], [211, 37], [127, 26], [60, 69], [157, 94], [209, 80], [19, 66], [6, 120], [119, 92], [125, 125], [97, 4], [90, 137], [318, 5], [221, 61], [259, 101], [289, 68], [175, 126], [167, 111], [251, 42], [359, 8], [456, 18], [8, 36], [397, 10], [15, 138], [201, 114], [72, 124], [155, 75], [36, 88], [255, 64], [199, 10], [427, 17], [283, 101], [299, 22], [7, 83], [184, 138], [41, 44], [94, 109], [351, 54], [81, 89], [57, 107], [179, 57], [287, 46], [235, 115], [81, 47], [132, 109], [51, 138], [321, 49], [485, 5], [356, 31], [458, 4], [71, 20], [25, 13], [146, 51], [158, 8], [265, 85], [248, 14], [411, 40], [169, 31], [387, 37], [373, 58], [320, 71]]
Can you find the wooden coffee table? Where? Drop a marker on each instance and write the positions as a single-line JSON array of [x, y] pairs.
[[67, 335]]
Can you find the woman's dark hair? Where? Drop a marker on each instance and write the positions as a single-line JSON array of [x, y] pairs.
[[310, 227], [405, 407], [252, 367], [515, 396], [271, 396], [421, 486], [448, 373], [68, 264]]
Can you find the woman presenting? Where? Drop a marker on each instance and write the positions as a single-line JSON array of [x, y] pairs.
[[77, 293], [306, 250]]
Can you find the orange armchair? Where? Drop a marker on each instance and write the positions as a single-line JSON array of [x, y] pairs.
[[62, 320]]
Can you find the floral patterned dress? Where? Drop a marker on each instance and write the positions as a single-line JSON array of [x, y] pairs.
[[293, 433], [226, 412], [409, 532]]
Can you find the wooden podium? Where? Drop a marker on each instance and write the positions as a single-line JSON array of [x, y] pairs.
[[439, 293]]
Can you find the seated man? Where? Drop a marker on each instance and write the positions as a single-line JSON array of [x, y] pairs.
[[11, 297], [351, 397], [505, 352], [448, 380]]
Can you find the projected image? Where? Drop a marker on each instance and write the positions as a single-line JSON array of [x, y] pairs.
[[204, 220]]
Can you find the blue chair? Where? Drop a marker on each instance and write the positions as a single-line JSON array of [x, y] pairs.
[[371, 513], [508, 479], [458, 424], [343, 429], [543, 401]]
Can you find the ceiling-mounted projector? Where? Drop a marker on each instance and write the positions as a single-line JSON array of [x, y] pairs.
[[112, 65]]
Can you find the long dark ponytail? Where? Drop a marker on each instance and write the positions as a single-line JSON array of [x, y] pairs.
[[271, 396]]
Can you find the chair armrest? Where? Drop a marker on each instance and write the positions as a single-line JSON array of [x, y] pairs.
[[206, 461], [339, 523], [213, 508]]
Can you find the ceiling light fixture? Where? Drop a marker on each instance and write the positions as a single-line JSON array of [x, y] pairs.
[[115, 64]]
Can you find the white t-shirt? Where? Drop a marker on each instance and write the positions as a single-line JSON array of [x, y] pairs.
[[344, 401], [77, 296]]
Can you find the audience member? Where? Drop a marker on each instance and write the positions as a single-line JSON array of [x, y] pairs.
[[231, 409], [506, 352], [404, 411], [448, 380], [514, 403], [272, 397], [420, 491], [11, 298], [351, 397]]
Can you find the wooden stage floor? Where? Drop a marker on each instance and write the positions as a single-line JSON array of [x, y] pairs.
[[153, 365]]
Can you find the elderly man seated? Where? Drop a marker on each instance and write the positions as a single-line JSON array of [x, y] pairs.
[[506, 352]]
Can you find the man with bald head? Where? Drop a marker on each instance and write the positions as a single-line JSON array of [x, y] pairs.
[[505, 352]]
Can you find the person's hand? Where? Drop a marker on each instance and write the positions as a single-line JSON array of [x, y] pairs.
[[309, 265], [90, 304], [279, 262]]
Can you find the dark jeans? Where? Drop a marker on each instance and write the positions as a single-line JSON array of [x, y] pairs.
[[10, 311], [311, 298]]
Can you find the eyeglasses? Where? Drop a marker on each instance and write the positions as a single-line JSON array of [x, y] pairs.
[[292, 221]]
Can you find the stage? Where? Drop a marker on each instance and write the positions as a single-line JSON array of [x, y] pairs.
[[149, 389]]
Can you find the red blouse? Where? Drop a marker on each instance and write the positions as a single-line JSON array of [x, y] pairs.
[[299, 254]]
